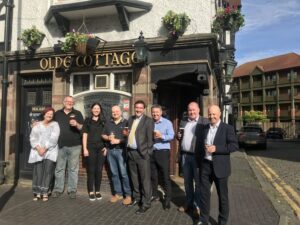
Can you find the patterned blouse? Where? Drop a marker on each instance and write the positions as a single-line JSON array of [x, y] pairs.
[[44, 136]]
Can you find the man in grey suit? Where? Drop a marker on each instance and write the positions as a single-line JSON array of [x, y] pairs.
[[189, 166], [139, 149], [215, 143]]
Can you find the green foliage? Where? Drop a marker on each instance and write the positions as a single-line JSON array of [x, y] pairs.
[[72, 39], [228, 19], [175, 23], [254, 116], [32, 36]]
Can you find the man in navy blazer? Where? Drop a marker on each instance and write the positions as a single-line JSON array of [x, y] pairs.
[[139, 150], [215, 143]]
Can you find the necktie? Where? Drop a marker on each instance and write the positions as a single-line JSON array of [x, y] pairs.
[[132, 132]]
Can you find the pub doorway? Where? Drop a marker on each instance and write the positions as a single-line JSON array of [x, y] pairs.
[[35, 94], [174, 97]]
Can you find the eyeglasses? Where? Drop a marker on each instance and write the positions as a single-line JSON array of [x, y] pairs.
[[70, 102]]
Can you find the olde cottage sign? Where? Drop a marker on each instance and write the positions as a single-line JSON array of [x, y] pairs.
[[97, 60]]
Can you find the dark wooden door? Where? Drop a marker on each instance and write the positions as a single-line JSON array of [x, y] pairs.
[[35, 96]]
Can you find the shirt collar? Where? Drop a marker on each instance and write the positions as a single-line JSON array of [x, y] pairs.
[[216, 126], [160, 120], [195, 120]]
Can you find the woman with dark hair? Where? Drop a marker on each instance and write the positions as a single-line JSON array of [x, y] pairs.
[[93, 150], [43, 153]]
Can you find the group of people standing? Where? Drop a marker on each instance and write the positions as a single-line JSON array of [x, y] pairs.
[[138, 153]]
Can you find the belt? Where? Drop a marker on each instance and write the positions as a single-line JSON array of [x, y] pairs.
[[131, 149], [187, 153], [160, 150]]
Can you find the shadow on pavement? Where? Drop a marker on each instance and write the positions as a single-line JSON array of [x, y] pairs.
[[7, 195]]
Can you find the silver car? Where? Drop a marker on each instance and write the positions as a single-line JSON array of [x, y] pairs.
[[252, 136]]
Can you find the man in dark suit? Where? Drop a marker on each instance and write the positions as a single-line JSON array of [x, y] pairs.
[[188, 141], [215, 143], [139, 149]]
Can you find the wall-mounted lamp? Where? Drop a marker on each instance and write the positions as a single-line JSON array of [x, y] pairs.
[[229, 66], [141, 50]]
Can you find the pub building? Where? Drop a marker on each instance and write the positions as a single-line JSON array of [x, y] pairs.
[[126, 65]]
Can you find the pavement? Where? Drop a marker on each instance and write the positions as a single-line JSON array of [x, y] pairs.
[[249, 205]]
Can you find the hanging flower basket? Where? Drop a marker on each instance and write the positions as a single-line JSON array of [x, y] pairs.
[[78, 42], [32, 38], [229, 18], [175, 23]]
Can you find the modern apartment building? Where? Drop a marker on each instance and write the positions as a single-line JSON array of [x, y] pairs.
[[270, 85]]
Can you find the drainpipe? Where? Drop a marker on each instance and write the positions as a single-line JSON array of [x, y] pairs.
[[5, 83]]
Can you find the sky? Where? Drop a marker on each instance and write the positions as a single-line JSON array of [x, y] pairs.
[[272, 27]]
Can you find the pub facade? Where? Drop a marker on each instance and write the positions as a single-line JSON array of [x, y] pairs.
[[175, 71]]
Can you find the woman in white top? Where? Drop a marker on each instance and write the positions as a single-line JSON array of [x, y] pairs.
[[43, 153]]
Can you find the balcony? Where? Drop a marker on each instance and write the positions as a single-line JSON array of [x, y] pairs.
[[245, 100], [256, 84], [285, 113], [245, 86], [257, 98], [284, 80], [270, 98], [270, 82], [234, 88], [284, 97]]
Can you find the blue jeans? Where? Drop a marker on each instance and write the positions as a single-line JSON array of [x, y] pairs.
[[67, 156], [118, 170], [191, 180]]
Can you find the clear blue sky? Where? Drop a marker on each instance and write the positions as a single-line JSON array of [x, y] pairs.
[[272, 27]]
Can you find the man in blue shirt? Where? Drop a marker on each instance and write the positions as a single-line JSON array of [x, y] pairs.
[[160, 160]]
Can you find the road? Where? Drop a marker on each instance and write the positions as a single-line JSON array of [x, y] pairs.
[[279, 166]]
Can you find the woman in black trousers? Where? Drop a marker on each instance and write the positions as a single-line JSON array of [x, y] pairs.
[[93, 150]]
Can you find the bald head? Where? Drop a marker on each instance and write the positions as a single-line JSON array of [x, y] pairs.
[[116, 112], [214, 114], [193, 110]]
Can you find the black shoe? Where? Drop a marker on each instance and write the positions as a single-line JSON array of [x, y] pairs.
[[98, 196], [167, 205], [142, 210], [55, 194], [92, 197], [72, 194], [154, 198], [134, 203]]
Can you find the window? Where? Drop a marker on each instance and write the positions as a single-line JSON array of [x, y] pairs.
[[81, 82], [123, 82], [101, 81]]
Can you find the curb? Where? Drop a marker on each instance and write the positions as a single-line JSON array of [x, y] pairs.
[[268, 189]]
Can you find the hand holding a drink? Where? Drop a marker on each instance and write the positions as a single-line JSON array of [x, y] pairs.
[[180, 133], [209, 147], [72, 120], [126, 131], [157, 134]]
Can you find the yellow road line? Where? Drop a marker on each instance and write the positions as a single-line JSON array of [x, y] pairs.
[[282, 183], [280, 189]]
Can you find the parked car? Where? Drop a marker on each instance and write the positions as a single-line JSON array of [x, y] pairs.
[[276, 132], [252, 136]]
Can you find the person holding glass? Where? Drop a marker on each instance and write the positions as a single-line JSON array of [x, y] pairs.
[[43, 153], [94, 150]]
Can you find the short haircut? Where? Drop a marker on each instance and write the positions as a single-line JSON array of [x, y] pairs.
[[156, 106], [140, 102], [47, 109]]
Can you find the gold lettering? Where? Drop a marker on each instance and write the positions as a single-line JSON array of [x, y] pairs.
[[77, 61], [124, 58], [97, 59], [44, 64], [133, 58], [115, 59], [50, 64], [58, 62], [87, 60], [106, 58], [67, 62]]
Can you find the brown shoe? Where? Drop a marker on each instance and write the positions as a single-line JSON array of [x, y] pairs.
[[115, 198], [196, 213], [183, 209], [127, 200]]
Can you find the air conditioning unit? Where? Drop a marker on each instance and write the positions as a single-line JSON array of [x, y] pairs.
[[102, 81]]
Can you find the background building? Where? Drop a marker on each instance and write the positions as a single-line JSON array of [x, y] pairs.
[[270, 85], [177, 70]]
